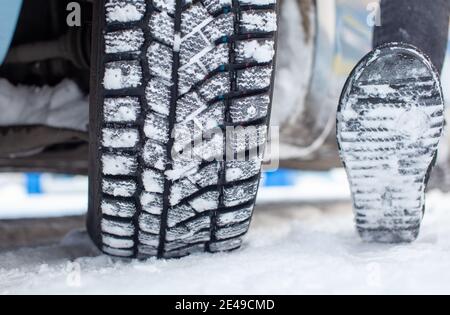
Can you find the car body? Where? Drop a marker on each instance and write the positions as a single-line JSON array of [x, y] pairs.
[[9, 14]]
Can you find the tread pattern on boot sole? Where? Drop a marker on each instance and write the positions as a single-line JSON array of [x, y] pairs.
[[389, 124], [172, 68]]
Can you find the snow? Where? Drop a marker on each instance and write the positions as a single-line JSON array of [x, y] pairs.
[[166, 5], [414, 124], [233, 174], [181, 172], [265, 22], [293, 249], [123, 109], [204, 204], [126, 13], [148, 200], [62, 106], [258, 2], [117, 208], [117, 165], [119, 188], [156, 128], [177, 42], [259, 52], [381, 90], [113, 79], [124, 41], [116, 242], [295, 245], [117, 228], [120, 138], [153, 181], [225, 2]]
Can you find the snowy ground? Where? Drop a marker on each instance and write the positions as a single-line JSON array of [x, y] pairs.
[[305, 246], [291, 249]]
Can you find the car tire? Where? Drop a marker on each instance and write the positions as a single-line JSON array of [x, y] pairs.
[[162, 69]]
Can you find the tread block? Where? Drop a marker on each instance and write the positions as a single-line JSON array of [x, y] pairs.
[[216, 86], [214, 6], [155, 155], [189, 230], [117, 164], [117, 252], [189, 76], [183, 137], [160, 60], [258, 21], [121, 109], [151, 203], [211, 117], [194, 16], [158, 96], [256, 50], [153, 181], [250, 138], [182, 167], [119, 188], [122, 75], [181, 190], [123, 41], [149, 223], [223, 246], [222, 26], [257, 3], [216, 57], [193, 45], [241, 170], [115, 242], [254, 78], [239, 194], [201, 126], [201, 237], [124, 11], [115, 208], [207, 176], [145, 251], [117, 227], [189, 105], [179, 214], [232, 230], [157, 128], [249, 108], [162, 27], [120, 138], [149, 239], [185, 251], [210, 149], [205, 202], [164, 5], [234, 217]]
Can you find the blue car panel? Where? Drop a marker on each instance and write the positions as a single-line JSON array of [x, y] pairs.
[[9, 14]]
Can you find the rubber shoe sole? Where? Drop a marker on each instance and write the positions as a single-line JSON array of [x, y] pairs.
[[389, 123]]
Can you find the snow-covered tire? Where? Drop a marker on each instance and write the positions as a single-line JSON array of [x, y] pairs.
[[389, 123], [163, 70]]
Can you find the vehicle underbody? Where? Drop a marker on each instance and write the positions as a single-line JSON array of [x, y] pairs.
[[52, 52]]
